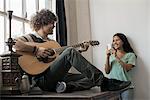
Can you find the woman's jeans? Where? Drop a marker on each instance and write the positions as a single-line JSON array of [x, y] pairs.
[[128, 94], [90, 76]]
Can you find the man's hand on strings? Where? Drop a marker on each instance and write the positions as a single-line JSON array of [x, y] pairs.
[[84, 47], [44, 53]]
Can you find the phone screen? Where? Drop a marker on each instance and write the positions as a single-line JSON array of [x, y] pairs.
[[108, 46]]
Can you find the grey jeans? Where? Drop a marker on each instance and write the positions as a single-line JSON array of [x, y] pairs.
[[90, 76]]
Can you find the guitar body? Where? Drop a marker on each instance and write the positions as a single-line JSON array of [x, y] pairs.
[[29, 62]]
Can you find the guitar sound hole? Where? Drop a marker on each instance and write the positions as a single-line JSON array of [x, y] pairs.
[[46, 59]]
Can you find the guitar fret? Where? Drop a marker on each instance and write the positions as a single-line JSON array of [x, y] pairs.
[[58, 50]]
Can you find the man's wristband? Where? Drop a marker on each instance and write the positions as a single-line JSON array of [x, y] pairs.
[[35, 49]]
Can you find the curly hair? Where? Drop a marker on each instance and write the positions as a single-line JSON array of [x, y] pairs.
[[42, 18]]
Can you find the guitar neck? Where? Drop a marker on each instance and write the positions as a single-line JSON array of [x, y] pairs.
[[58, 50], [92, 43]]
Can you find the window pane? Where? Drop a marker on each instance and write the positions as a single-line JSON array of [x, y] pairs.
[[41, 4], [27, 28], [15, 6], [2, 34], [1, 5], [31, 8], [16, 29]]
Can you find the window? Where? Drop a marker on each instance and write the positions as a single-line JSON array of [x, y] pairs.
[[22, 11], [15, 6], [31, 7], [2, 34], [1, 5]]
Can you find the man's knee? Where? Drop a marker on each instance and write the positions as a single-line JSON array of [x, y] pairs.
[[69, 52], [70, 49]]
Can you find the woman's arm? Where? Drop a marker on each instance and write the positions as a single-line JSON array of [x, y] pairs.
[[108, 67], [126, 66]]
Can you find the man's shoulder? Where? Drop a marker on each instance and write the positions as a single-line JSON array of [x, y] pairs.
[[28, 37]]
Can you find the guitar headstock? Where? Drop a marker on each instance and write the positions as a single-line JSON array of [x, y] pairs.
[[93, 43]]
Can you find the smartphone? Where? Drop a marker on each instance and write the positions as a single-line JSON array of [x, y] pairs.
[[109, 46]]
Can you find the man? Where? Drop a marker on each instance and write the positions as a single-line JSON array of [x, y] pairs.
[[56, 76]]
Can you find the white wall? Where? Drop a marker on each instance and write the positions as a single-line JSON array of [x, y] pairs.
[[78, 23], [0, 72], [131, 17]]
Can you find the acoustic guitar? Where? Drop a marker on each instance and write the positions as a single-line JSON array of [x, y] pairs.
[[33, 66]]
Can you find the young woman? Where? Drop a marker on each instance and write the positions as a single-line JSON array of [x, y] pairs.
[[120, 60]]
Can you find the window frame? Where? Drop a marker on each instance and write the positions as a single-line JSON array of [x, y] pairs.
[[49, 4]]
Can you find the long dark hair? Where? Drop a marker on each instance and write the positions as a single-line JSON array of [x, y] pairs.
[[126, 45]]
